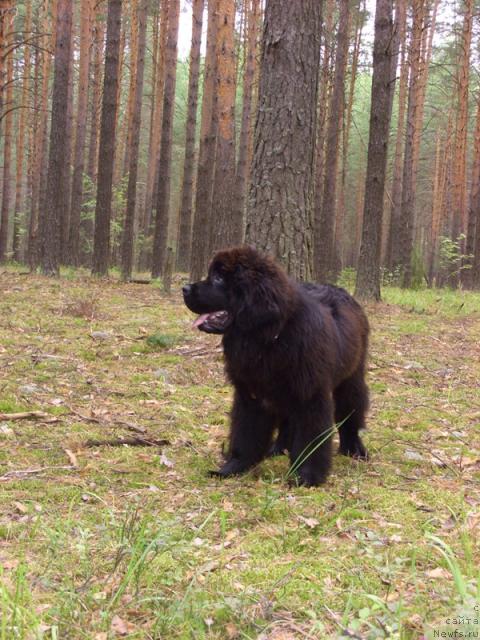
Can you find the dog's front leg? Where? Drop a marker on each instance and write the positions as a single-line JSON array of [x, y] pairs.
[[311, 424], [250, 435]]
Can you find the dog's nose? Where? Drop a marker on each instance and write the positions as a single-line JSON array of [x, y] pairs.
[[186, 289]]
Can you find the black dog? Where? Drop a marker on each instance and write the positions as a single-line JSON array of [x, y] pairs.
[[295, 354]]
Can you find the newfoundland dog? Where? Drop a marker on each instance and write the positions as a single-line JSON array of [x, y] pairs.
[[295, 354]]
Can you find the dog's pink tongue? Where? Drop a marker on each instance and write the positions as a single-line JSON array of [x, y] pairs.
[[200, 320]]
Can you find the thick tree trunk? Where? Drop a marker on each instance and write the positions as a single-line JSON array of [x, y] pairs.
[[280, 207], [185, 222], [128, 231], [325, 251], [383, 86], [101, 248], [165, 163], [206, 159], [58, 161], [80, 132]]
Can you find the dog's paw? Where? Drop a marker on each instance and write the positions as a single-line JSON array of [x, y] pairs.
[[232, 467], [355, 450]]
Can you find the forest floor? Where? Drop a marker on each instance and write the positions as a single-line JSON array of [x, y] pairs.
[[100, 539]]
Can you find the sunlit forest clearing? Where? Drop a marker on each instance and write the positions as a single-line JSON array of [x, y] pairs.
[[138, 138]]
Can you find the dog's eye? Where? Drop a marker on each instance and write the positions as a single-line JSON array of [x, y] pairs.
[[217, 280]]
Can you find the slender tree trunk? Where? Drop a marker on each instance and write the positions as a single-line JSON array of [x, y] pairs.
[[19, 210], [6, 18], [101, 249], [155, 131], [323, 101], [409, 173], [251, 37], [128, 232], [226, 228], [58, 160], [80, 133], [165, 163], [185, 226], [324, 236], [96, 92], [383, 86], [133, 46], [460, 209], [67, 169], [473, 225], [206, 160], [280, 206]]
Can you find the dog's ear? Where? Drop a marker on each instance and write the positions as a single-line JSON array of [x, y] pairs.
[[258, 303]]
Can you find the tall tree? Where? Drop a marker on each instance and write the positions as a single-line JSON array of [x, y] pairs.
[[279, 209], [325, 254], [185, 221], [19, 210], [101, 248], [253, 10], [409, 176], [206, 158], [226, 227], [6, 50], [128, 231], [80, 131], [383, 85], [58, 160], [165, 163]]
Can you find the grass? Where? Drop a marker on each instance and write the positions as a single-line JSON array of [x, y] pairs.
[[139, 542]]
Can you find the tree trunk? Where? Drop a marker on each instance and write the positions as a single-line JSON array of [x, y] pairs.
[[206, 159], [156, 128], [325, 258], [241, 177], [226, 228], [96, 91], [101, 248], [58, 161], [19, 210], [279, 209], [460, 209], [6, 17], [165, 163], [409, 173], [80, 133], [128, 232], [185, 225], [383, 86], [133, 47], [473, 225]]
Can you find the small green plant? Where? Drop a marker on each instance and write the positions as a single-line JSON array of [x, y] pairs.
[[452, 260], [160, 341]]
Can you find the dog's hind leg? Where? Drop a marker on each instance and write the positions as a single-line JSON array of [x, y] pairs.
[[250, 435], [351, 404]]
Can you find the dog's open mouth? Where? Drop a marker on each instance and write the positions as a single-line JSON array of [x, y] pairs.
[[215, 322]]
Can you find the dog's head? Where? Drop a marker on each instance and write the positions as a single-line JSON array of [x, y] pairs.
[[244, 289]]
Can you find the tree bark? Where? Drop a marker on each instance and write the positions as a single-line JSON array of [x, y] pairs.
[[280, 208], [325, 258], [225, 229], [185, 224], [128, 231], [165, 163], [241, 177], [80, 132], [58, 160], [6, 17], [101, 248], [383, 85], [206, 159]]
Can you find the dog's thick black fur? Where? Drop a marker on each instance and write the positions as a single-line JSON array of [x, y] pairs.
[[295, 354]]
